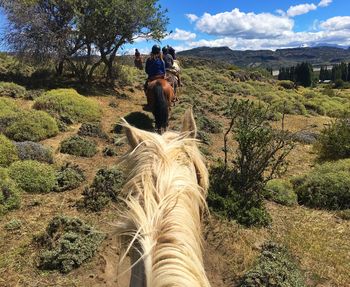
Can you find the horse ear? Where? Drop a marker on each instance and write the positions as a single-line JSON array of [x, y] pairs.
[[133, 136], [189, 124]]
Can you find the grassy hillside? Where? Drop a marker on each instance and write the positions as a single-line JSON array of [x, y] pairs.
[[274, 59], [317, 240]]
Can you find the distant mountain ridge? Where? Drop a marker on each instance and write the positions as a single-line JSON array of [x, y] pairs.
[[317, 56]]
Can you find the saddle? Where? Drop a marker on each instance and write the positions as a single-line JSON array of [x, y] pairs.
[[157, 77]]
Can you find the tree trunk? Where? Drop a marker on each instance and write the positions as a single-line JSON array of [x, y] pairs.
[[59, 68], [93, 68]]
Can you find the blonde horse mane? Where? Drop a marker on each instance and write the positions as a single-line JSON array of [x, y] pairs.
[[166, 185]]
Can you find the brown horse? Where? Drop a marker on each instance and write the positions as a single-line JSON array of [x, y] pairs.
[[160, 96]]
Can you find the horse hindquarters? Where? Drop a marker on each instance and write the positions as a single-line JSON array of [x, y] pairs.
[[160, 111]]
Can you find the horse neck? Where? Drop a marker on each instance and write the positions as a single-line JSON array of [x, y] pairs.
[[165, 208]]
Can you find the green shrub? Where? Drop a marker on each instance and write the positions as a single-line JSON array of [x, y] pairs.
[[12, 90], [67, 104], [32, 126], [127, 75], [326, 187], [280, 191], [204, 137], [8, 151], [33, 176], [66, 244], [105, 187], [9, 193], [8, 112], [208, 125], [237, 190], [92, 130], [343, 214], [109, 151], [275, 267], [78, 146], [68, 177], [14, 224], [13, 69], [233, 203], [288, 85], [334, 141], [315, 108], [338, 84], [34, 151], [328, 91]]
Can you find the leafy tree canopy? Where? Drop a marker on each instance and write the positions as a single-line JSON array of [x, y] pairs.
[[89, 30]]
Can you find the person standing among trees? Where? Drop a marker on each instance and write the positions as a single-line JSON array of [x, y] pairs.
[[138, 60]]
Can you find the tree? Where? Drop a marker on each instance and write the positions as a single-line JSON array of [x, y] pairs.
[[304, 74], [83, 33], [336, 73], [236, 189], [322, 74], [42, 29], [344, 71], [113, 23]]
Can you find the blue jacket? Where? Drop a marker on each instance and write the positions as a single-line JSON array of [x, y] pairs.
[[155, 67]]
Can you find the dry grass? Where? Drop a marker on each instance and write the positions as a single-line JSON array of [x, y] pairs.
[[318, 239]]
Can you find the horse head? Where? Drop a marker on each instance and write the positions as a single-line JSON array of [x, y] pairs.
[[167, 183]]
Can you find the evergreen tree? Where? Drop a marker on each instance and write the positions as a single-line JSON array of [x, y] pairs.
[[336, 73], [327, 74], [304, 74], [322, 74], [344, 71]]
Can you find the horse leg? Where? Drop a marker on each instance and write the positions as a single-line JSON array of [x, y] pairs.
[[138, 278]]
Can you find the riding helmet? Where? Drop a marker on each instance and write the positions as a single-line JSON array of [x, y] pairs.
[[165, 49], [155, 49]]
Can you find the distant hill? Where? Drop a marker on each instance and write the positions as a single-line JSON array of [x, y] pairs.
[[317, 56]]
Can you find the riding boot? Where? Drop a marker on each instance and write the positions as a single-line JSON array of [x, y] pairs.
[[179, 81], [148, 105]]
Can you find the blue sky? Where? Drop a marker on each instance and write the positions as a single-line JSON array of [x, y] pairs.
[[248, 24]]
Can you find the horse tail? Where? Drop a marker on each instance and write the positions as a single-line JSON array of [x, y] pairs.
[[161, 112]]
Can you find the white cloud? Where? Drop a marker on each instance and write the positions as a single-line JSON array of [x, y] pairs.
[[281, 12], [337, 23], [300, 9], [247, 25], [315, 25], [288, 40], [192, 17], [324, 3], [181, 35]]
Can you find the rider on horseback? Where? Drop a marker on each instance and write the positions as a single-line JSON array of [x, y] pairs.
[[168, 58], [138, 60], [155, 69], [155, 66], [172, 75]]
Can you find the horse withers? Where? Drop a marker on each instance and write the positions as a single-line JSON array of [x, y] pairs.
[[166, 188], [160, 96]]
